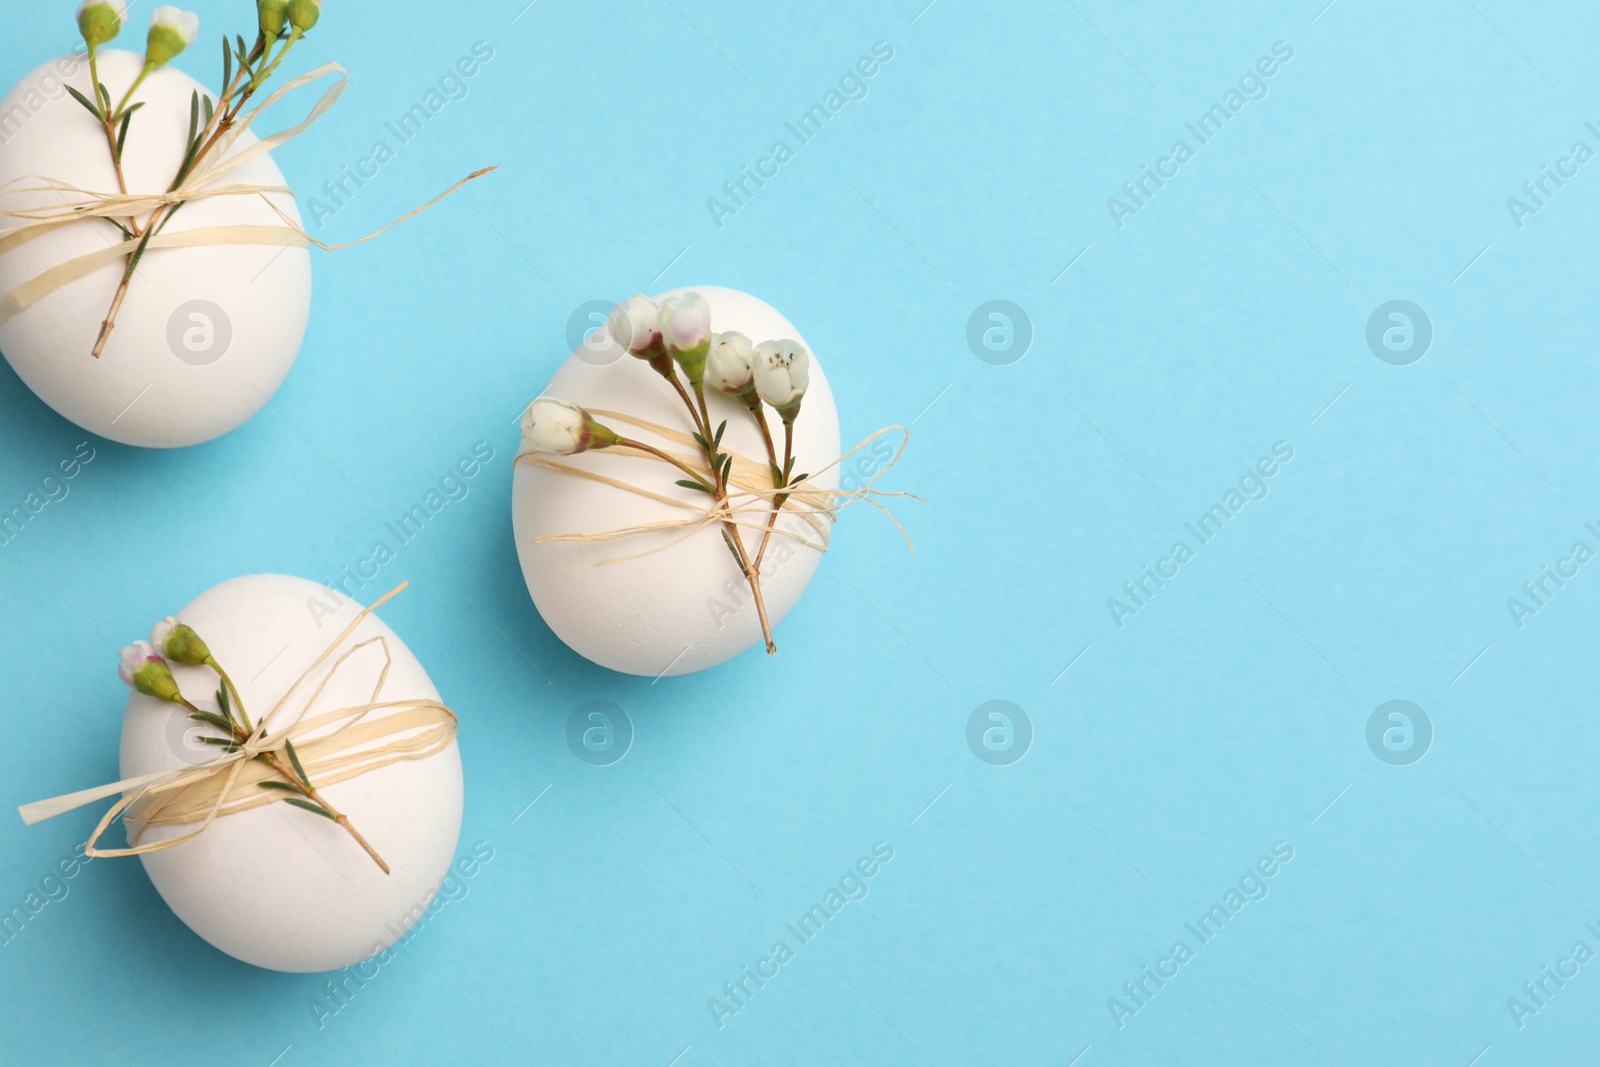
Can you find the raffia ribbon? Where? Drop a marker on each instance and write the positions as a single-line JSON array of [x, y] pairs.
[[355, 745], [79, 204], [817, 508]]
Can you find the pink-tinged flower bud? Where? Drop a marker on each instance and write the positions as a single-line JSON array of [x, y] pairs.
[[100, 20], [783, 373], [686, 331], [178, 643], [143, 669], [171, 31], [555, 426], [728, 364], [634, 324]]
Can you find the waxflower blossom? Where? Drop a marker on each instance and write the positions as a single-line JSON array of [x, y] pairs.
[[146, 672], [686, 331], [783, 372], [171, 31], [551, 425], [274, 16], [635, 325], [303, 14], [728, 364], [178, 643], [100, 20]]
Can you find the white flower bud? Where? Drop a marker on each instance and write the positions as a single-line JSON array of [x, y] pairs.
[[783, 372], [728, 364], [171, 31], [686, 331], [685, 322], [551, 425], [634, 324]]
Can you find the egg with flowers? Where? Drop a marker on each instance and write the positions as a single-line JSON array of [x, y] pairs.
[[149, 321], [342, 822], [675, 491]]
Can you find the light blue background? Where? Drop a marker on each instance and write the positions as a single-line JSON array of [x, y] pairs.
[[1227, 315]]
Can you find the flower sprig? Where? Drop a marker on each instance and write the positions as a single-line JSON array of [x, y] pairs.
[[280, 24], [676, 341], [146, 668]]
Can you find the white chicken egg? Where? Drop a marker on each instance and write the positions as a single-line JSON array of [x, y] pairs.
[[206, 334], [679, 604], [276, 886]]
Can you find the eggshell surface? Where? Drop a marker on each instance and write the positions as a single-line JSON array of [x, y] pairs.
[[205, 334], [679, 604], [276, 886]]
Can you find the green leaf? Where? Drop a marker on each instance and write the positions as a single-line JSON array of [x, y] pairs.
[[228, 743], [777, 475], [294, 758], [718, 439], [122, 133], [287, 787], [227, 64], [687, 484], [700, 440], [207, 109], [194, 113], [84, 100], [799, 478], [317, 809], [105, 94], [222, 701], [214, 720]]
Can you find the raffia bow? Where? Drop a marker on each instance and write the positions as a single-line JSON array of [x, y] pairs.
[[816, 508], [80, 204], [332, 746]]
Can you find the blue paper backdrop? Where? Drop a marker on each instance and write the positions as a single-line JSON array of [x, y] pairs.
[[1175, 340]]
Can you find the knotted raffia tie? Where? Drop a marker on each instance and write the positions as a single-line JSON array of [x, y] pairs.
[[80, 204], [332, 746], [749, 501]]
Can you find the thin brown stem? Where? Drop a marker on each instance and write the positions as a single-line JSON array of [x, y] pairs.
[[222, 119], [705, 414], [241, 734], [238, 701], [683, 394], [110, 321], [665, 456], [779, 475], [339, 817]]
